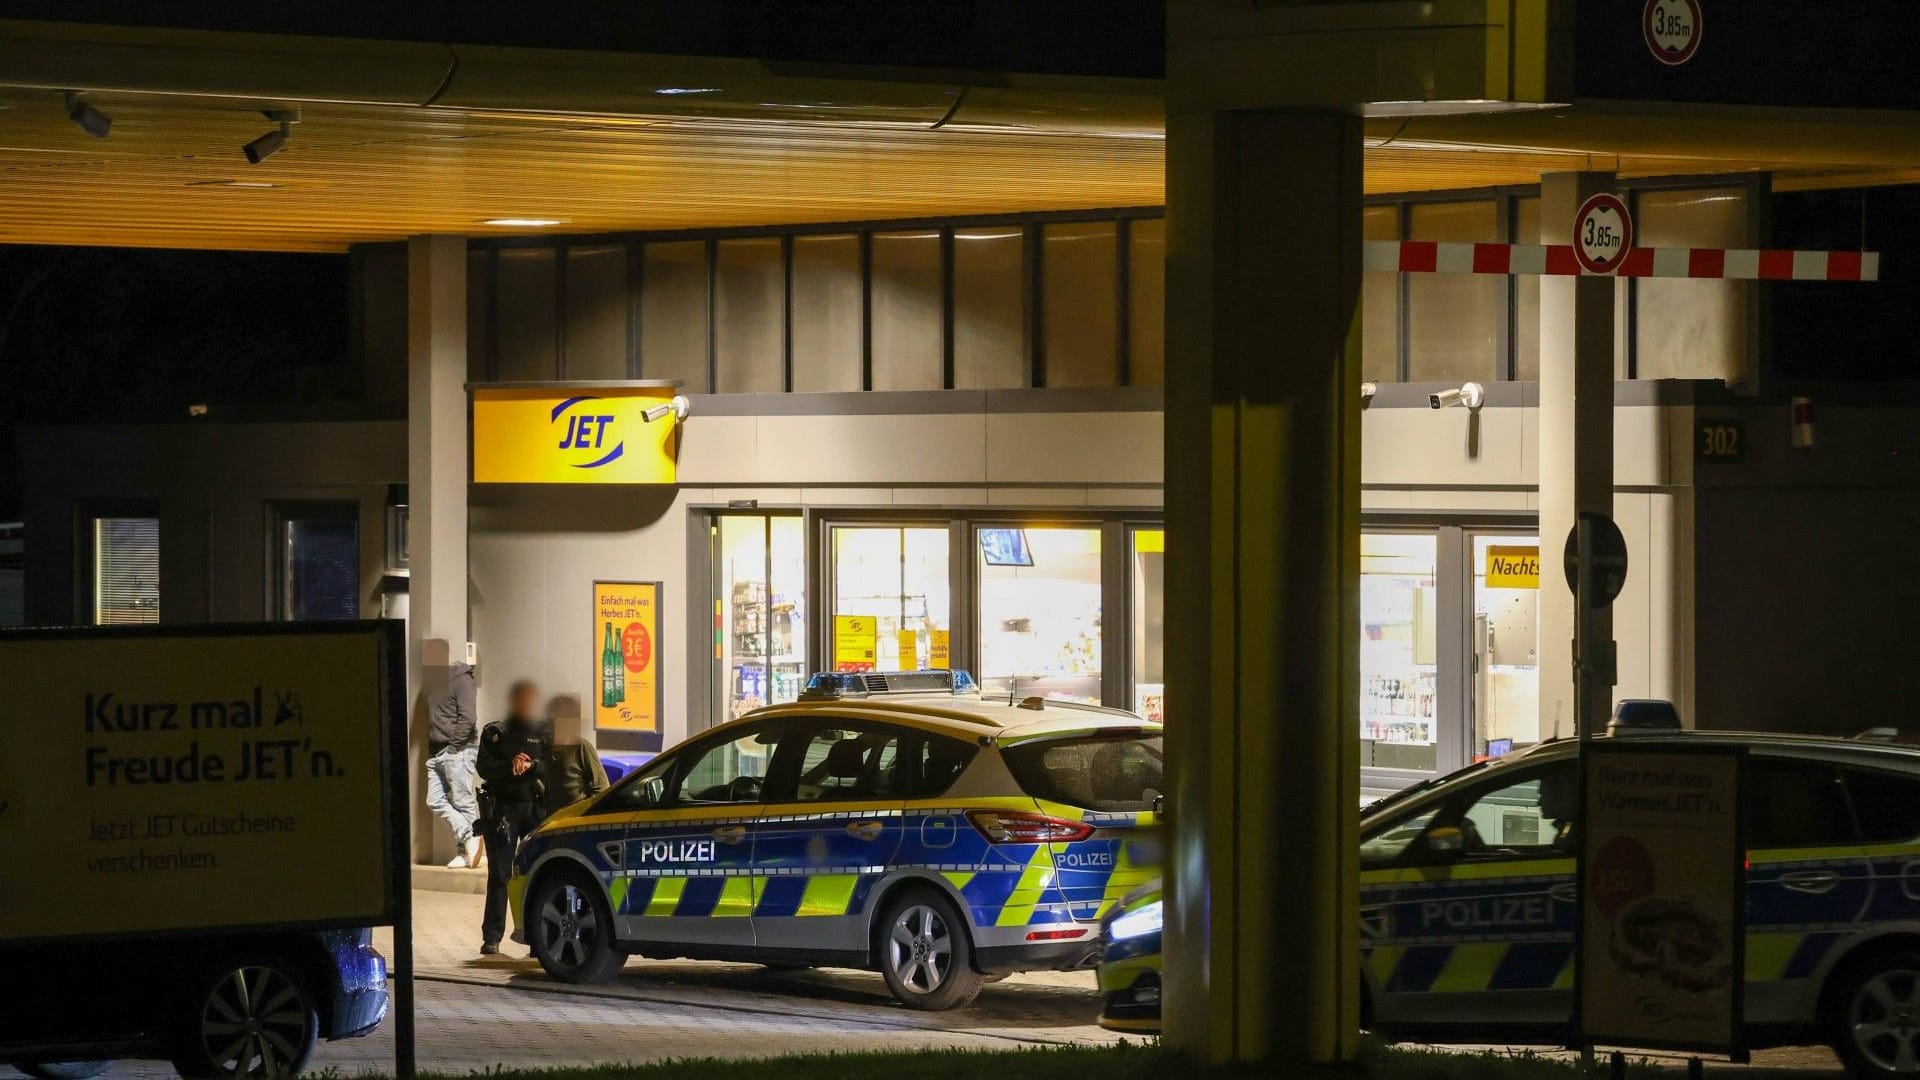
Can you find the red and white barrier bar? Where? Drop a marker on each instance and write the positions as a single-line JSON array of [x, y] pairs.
[[1557, 260]]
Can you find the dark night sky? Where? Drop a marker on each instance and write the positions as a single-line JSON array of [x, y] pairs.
[[107, 334]]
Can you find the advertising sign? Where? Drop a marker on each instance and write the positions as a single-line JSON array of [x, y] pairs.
[[156, 780], [1662, 898], [626, 686], [1513, 567], [855, 642], [572, 435]]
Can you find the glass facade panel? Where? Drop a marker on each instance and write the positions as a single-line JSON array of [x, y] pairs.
[[1526, 294], [1149, 623], [760, 639], [524, 296], [126, 571], [1685, 329], [1039, 611], [907, 308], [320, 565], [1380, 303], [1146, 302], [749, 326], [673, 313], [1398, 637], [1453, 319], [826, 313], [989, 308], [897, 577], [597, 313], [1506, 638], [1079, 288], [479, 318]]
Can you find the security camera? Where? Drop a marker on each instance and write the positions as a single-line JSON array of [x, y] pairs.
[[1368, 389], [677, 408], [1472, 395]]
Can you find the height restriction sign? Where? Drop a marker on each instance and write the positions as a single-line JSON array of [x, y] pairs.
[[1602, 234], [1671, 29]]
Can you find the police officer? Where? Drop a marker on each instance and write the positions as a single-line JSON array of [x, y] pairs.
[[512, 766]]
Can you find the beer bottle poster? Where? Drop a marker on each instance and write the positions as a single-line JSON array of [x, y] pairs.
[[626, 650]]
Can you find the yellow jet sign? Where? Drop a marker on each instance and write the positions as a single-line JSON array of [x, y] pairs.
[[572, 435], [1513, 567]]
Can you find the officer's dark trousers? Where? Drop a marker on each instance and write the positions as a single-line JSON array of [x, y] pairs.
[[503, 833]]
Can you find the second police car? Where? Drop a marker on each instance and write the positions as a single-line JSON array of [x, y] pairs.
[[1467, 904], [899, 822]]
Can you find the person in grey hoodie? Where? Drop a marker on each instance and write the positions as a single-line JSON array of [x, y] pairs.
[[452, 746]]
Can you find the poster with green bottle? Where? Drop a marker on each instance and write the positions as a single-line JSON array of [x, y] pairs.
[[626, 637]]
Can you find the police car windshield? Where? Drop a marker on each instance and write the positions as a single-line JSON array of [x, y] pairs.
[[1107, 773]]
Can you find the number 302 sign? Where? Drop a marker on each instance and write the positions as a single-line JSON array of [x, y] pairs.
[[1671, 29]]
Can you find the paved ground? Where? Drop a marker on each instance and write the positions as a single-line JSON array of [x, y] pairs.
[[475, 1013]]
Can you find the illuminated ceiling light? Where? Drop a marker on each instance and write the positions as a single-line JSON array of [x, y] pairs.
[[675, 91], [524, 222], [91, 120], [273, 141], [252, 185]]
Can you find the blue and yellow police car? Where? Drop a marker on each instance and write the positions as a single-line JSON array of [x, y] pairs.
[[898, 822], [1468, 905]]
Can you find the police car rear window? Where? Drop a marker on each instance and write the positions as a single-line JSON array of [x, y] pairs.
[[1113, 774]]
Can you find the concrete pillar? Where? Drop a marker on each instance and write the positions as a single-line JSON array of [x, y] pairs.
[[436, 482], [1263, 545], [1576, 440]]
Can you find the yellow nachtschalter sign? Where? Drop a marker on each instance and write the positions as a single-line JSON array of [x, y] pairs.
[[196, 781], [584, 435], [1513, 567]]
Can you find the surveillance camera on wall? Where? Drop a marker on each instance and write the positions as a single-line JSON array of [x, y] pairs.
[[676, 408], [1472, 395]]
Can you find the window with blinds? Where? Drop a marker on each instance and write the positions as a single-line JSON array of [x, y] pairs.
[[126, 571]]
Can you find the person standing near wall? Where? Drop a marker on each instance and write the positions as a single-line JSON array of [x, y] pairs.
[[451, 726], [513, 763], [574, 771]]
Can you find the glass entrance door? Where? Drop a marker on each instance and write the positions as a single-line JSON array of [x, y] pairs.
[[1399, 632], [896, 579], [1506, 639], [759, 611]]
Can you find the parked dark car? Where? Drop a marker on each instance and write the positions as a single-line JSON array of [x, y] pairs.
[[228, 1004]]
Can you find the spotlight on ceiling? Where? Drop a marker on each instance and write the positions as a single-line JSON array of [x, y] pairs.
[[522, 222], [273, 141], [91, 120]]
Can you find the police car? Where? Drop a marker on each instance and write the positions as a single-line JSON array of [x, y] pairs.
[[1467, 903], [897, 822]]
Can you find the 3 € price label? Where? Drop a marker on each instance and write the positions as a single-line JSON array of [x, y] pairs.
[[1671, 29], [1602, 234]]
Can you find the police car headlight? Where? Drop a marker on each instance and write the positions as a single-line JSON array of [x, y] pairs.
[[1133, 924]]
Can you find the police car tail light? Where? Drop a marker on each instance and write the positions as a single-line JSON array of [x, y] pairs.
[[1014, 827]]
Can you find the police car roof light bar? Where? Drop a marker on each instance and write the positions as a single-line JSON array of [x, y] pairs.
[[835, 685]]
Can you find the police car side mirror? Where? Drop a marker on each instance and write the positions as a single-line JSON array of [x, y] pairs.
[[1446, 840]]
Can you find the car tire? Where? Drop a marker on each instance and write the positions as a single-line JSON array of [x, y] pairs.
[[1873, 1013], [925, 952], [570, 929], [63, 1070], [249, 1017]]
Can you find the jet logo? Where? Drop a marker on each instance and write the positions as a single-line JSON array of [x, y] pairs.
[[585, 433]]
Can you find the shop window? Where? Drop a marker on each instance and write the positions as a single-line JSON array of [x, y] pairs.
[[1149, 623], [673, 313], [1506, 638], [1453, 319], [890, 598], [1039, 611], [1685, 329], [1380, 302], [1079, 288], [317, 552], [989, 308], [1526, 294], [1398, 632], [827, 295], [524, 296], [597, 300], [907, 310], [1146, 302], [760, 639], [126, 570], [749, 326]]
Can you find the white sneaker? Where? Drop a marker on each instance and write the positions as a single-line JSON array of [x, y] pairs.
[[458, 862], [476, 852]]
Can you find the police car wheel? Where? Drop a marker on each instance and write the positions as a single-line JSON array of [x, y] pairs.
[[250, 1017], [1876, 1016], [925, 953], [571, 929]]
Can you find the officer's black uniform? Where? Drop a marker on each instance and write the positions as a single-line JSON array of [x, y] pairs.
[[510, 807]]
